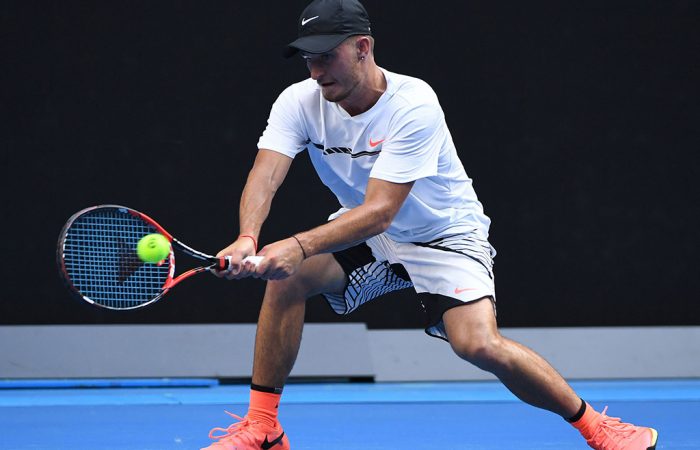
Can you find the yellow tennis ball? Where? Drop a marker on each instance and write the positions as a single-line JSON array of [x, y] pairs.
[[153, 248]]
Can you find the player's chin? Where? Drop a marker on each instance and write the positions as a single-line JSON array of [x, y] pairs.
[[333, 94]]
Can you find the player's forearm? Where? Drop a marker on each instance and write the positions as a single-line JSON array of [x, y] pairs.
[[383, 199], [353, 227], [254, 208], [266, 176]]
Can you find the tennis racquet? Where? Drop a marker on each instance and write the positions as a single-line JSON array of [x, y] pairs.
[[97, 258]]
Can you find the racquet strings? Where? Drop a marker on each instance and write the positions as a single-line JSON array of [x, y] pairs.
[[101, 262]]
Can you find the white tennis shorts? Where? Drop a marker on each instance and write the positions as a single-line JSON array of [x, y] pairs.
[[445, 273]]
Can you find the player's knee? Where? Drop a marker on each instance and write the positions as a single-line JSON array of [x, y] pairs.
[[299, 286], [286, 290], [318, 274], [484, 350]]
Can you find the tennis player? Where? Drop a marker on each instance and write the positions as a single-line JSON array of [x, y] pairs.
[[409, 219]]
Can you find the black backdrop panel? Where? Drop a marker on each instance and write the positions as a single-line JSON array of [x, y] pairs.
[[577, 122]]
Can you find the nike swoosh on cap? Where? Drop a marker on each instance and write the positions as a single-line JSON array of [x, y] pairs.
[[305, 21], [375, 143]]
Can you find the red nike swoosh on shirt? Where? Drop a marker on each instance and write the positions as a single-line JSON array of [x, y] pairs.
[[459, 291], [374, 143]]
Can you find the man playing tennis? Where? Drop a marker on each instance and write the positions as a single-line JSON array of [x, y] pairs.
[[409, 219]]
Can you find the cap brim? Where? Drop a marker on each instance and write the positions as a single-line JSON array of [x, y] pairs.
[[317, 44]]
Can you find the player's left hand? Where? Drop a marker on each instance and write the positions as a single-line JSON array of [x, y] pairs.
[[281, 260]]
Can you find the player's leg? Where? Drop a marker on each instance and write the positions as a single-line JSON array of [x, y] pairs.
[[277, 344], [472, 332], [281, 317], [474, 336], [456, 283]]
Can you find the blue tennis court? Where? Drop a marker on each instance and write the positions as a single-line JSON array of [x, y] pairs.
[[177, 414]]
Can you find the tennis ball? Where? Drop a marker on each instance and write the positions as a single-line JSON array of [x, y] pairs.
[[153, 248]]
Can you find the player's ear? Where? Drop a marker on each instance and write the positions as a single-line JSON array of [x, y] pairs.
[[363, 47]]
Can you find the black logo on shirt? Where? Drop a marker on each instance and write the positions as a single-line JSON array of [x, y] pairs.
[[344, 150]]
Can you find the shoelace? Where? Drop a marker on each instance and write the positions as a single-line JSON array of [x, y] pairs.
[[241, 430], [613, 430]]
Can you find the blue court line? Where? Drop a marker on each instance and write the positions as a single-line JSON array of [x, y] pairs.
[[349, 393], [75, 383]]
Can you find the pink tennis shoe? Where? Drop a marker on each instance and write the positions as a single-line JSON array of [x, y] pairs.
[[248, 434], [609, 433]]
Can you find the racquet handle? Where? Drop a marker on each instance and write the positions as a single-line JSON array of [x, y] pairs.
[[255, 260], [226, 261]]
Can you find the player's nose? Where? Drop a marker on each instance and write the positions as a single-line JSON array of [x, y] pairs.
[[316, 74], [315, 71]]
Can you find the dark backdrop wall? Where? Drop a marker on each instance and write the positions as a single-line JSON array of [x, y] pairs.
[[577, 121]]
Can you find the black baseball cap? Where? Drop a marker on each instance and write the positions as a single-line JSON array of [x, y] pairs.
[[324, 24]]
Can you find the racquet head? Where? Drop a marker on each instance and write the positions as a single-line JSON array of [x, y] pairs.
[[97, 258]]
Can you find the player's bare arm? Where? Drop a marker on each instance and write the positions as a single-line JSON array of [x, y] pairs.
[[266, 176], [383, 199]]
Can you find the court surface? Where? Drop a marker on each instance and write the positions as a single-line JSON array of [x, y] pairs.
[[177, 414]]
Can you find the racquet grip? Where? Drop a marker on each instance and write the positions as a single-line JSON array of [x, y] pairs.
[[225, 262]]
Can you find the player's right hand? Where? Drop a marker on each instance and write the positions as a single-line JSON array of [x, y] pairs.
[[235, 252]]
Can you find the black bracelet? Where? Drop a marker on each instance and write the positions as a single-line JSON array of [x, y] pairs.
[[300, 246]]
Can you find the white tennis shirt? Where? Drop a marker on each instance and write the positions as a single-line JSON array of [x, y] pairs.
[[402, 138]]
